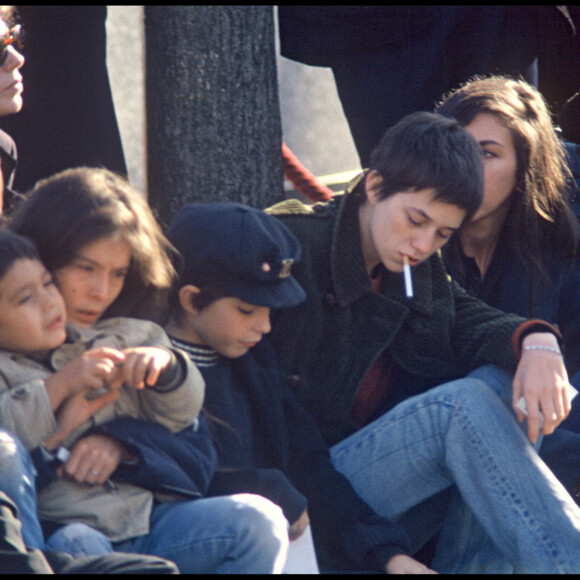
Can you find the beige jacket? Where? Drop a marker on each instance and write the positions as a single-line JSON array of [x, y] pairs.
[[25, 410]]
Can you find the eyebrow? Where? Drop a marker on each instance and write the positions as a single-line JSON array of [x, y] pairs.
[[96, 263], [490, 142]]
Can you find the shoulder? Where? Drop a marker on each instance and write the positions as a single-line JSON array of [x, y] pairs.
[[297, 209], [136, 332]]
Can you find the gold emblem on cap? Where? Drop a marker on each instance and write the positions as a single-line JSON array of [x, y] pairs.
[[286, 267]]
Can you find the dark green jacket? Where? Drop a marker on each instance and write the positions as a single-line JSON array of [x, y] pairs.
[[327, 344]]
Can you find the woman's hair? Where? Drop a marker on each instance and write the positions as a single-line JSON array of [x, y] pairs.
[[539, 207], [425, 150], [66, 212], [14, 247]]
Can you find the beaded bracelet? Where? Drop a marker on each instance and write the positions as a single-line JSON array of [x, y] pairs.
[[541, 347]]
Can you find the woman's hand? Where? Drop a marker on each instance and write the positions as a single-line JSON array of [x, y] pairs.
[[541, 379], [74, 412], [299, 526], [142, 366], [91, 370], [93, 459], [402, 564]]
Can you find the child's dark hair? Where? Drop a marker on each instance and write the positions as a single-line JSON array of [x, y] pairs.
[[14, 247], [426, 150], [206, 297]]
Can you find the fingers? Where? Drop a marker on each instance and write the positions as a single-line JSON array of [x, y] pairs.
[[93, 460], [143, 365]]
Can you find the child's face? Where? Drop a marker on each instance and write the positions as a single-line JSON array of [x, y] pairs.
[[94, 279], [230, 326], [32, 311]]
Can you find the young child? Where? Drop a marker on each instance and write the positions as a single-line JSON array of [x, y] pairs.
[[237, 265]]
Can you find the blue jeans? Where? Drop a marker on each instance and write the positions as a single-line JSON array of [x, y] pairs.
[[17, 481], [461, 434], [237, 534]]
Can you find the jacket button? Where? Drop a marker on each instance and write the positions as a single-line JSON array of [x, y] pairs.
[[295, 380], [330, 300]]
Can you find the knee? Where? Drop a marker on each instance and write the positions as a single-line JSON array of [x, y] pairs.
[[79, 540], [472, 394], [264, 522], [15, 462], [11, 449], [261, 514]]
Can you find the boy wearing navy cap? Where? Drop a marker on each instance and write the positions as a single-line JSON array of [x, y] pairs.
[[237, 265]]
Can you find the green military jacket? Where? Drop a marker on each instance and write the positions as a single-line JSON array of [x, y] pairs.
[[328, 343]]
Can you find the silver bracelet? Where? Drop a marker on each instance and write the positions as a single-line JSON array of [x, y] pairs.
[[541, 347]]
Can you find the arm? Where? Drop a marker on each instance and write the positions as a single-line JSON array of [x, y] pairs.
[[30, 390], [175, 400], [541, 379]]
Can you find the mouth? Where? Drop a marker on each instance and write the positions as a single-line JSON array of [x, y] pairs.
[[15, 86], [412, 261], [56, 323], [85, 316]]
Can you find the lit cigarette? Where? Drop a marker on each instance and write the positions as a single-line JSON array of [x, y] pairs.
[[407, 276]]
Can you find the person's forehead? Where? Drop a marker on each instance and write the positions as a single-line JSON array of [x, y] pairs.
[[3, 27]]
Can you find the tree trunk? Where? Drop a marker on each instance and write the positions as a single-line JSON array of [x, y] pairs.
[[213, 115]]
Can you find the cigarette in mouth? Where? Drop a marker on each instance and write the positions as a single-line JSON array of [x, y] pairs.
[[407, 276]]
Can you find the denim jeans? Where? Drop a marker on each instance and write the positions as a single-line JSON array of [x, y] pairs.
[[461, 434], [17, 481], [241, 533]]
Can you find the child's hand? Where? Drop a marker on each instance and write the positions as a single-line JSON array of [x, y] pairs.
[[89, 371], [142, 366]]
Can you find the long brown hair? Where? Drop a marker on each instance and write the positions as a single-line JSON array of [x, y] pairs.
[[76, 207], [540, 220]]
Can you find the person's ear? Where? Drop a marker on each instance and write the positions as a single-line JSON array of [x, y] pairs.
[[187, 296], [373, 184]]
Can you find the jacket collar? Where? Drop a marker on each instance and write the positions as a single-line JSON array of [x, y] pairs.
[[349, 276]]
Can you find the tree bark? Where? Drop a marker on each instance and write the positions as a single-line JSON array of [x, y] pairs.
[[213, 115]]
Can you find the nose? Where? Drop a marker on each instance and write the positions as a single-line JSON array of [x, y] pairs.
[[14, 59], [263, 325], [100, 286], [424, 242]]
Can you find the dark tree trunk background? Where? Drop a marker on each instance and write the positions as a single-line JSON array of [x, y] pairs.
[[213, 115]]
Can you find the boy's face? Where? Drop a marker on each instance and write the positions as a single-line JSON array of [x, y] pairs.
[[230, 326], [32, 311], [411, 224]]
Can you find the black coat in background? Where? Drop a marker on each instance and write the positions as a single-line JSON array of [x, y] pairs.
[[390, 61], [68, 117]]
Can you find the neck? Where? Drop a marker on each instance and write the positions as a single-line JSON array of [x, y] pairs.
[[368, 248], [479, 238], [176, 328]]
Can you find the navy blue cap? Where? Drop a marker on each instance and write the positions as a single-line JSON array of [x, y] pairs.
[[239, 249]]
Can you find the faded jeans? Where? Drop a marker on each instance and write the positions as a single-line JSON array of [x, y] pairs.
[[236, 534], [507, 511], [17, 481]]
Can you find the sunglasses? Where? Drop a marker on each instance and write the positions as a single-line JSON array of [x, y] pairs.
[[13, 36]]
